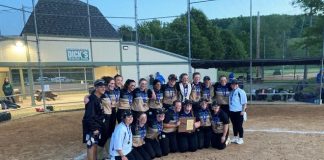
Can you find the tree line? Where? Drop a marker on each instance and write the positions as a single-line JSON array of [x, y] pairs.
[[280, 36]]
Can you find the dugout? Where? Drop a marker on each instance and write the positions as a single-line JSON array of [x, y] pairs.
[[288, 85]]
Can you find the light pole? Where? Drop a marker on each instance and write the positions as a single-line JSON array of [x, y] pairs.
[[29, 70], [39, 56], [90, 39], [283, 53], [321, 86], [251, 51], [136, 41], [189, 37], [264, 47]]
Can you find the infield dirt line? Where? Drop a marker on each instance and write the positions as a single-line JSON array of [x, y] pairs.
[[279, 130]]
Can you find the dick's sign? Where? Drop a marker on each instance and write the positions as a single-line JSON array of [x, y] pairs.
[[77, 54]]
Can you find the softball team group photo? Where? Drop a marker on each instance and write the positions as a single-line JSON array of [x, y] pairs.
[[149, 119]]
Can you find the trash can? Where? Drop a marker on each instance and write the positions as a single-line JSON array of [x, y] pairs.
[[17, 95]]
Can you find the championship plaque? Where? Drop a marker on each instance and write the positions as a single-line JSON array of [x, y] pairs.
[[186, 124]]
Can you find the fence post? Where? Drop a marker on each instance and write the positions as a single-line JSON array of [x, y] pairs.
[[59, 74], [189, 38], [137, 42], [251, 50], [22, 83], [321, 71], [85, 78], [39, 56]]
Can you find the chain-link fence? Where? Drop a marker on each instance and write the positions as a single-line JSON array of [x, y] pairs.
[[279, 86], [58, 48]]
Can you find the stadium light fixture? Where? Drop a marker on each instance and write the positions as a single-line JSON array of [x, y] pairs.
[[125, 47], [19, 47]]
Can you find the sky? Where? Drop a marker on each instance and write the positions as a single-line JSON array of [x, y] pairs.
[[11, 22]]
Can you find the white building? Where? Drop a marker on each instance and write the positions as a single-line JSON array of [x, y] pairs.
[[65, 46]]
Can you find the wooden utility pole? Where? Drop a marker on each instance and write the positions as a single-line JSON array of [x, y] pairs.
[[306, 49], [258, 45]]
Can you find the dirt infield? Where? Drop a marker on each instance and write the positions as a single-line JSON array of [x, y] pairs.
[[46, 136], [58, 136]]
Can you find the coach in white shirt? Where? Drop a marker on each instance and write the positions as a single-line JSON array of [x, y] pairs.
[[121, 140], [237, 107]]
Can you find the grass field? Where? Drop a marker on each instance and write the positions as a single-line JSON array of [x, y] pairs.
[[288, 73]]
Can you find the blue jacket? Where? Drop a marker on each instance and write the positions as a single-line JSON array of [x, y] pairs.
[[160, 78]]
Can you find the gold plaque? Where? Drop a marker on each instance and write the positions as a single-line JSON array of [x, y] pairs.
[[186, 124]]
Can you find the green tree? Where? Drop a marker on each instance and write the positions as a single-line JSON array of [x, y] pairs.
[[229, 38], [311, 7], [177, 42], [210, 33], [313, 35], [234, 48], [272, 30], [126, 32]]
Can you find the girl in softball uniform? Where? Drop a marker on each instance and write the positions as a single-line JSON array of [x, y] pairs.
[[126, 98], [204, 131], [139, 133], [220, 122], [141, 97], [153, 136], [169, 91], [187, 141]]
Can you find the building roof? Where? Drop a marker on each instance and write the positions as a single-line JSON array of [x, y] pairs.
[[68, 18]]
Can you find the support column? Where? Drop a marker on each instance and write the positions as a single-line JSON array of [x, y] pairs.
[[22, 83], [31, 86]]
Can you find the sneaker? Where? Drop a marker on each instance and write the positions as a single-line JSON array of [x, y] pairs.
[[240, 141], [234, 140], [228, 141]]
